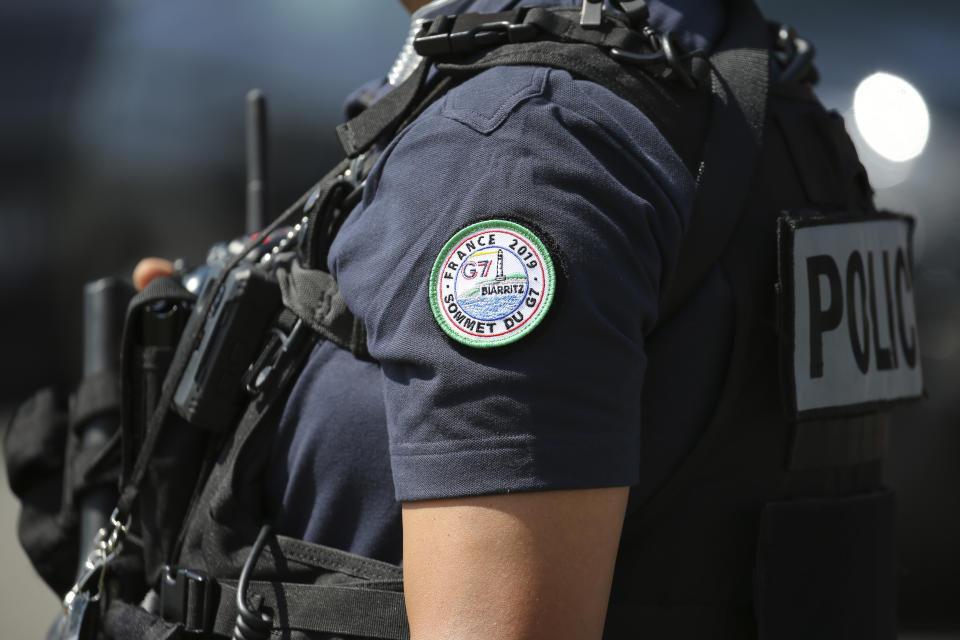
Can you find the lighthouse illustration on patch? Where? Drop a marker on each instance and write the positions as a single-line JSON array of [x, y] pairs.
[[491, 284]]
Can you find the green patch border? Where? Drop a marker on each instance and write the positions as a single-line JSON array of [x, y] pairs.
[[548, 293]]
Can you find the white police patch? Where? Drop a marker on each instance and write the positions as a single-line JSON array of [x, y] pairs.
[[492, 283], [847, 287]]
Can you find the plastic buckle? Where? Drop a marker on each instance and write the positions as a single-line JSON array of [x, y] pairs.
[[637, 11], [189, 598], [472, 32], [591, 13]]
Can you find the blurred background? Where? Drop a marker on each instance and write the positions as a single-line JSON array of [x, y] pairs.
[[121, 135]]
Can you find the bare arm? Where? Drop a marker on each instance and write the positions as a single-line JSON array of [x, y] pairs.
[[512, 567]]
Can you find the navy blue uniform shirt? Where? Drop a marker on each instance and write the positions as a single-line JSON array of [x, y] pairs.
[[595, 396]]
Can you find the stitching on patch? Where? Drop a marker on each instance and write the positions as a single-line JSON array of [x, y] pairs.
[[524, 325]]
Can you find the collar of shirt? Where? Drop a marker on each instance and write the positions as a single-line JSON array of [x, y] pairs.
[[698, 23]]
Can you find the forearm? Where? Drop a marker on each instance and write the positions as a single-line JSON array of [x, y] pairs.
[[512, 567]]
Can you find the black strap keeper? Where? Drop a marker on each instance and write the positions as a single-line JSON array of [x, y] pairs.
[[189, 598]]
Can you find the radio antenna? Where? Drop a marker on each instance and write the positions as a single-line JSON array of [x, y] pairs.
[[256, 161]]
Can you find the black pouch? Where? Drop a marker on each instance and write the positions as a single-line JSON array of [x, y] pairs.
[[156, 320], [35, 451], [49, 472], [827, 569]]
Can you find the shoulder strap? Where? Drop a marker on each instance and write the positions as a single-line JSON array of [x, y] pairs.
[[314, 297], [673, 109], [739, 81], [383, 117], [643, 67]]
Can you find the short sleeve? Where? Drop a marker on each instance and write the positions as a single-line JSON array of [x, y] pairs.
[[591, 178]]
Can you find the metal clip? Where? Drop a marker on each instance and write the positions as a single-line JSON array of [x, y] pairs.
[[262, 370], [92, 571], [76, 602], [119, 532], [106, 546]]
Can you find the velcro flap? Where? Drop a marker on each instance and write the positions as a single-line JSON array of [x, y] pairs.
[[826, 569]]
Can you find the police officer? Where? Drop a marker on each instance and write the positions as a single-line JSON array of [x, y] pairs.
[[540, 419], [513, 459]]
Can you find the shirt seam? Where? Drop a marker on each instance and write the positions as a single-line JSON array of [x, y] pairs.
[[482, 123]]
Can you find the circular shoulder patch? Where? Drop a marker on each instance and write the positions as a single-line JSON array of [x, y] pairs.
[[492, 283]]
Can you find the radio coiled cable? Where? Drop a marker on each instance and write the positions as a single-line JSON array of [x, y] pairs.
[[253, 623]]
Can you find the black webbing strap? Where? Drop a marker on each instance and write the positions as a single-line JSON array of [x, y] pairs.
[[558, 41], [313, 295], [671, 109], [473, 32], [740, 79], [360, 133], [340, 610], [564, 25]]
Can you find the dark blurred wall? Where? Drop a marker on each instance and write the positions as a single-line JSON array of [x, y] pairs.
[[43, 52], [919, 41], [121, 135]]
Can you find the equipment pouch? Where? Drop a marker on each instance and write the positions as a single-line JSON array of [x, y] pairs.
[[155, 322], [826, 569], [35, 451], [211, 392]]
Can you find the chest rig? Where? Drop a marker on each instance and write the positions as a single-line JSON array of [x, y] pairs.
[[722, 550]]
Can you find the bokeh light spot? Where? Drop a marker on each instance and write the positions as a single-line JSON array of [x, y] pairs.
[[892, 116]]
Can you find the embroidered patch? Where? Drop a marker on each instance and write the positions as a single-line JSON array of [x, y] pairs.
[[492, 283]]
